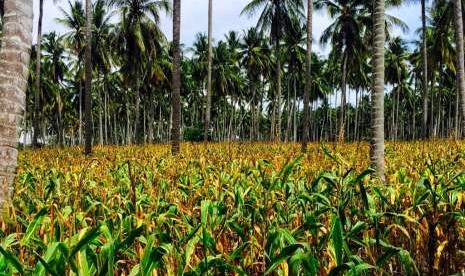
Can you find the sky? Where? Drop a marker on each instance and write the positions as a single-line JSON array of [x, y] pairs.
[[226, 17]]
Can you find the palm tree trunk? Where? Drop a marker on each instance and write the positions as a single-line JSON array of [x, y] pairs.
[[176, 96], [294, 113], [60, 121], [16, 42], [396, 125], [38, 84], [136, 131], [277, 137], [341, 135], [424, 128], [209, 77], [460, 58], [356, 115], [106, 110], [308, 77], [80, 111], [88, 92], [377, 143]]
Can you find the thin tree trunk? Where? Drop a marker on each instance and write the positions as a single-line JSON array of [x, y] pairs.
[[105, 108], [176, 96], [424, 130], [396, 125], [294, 113], [80, 111], [308, 77], [460, 58], [88, 95], [150, 122], [14, 61], [356, 114], [377, 143], [209, 77], [343, 99], [278, 109], [38, 83]]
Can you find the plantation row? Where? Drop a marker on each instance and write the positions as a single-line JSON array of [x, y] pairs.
[[237, 209]]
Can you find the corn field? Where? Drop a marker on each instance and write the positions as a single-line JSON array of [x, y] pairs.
[[237, 209]]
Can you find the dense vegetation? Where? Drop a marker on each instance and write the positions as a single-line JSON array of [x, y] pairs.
[[132, 78], [133, 207], [237, 209]]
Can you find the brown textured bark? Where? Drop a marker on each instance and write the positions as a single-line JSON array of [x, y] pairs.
[[308, 79], [377, 142], [460, 59], [88, 84], [176, 95], [14, 60]]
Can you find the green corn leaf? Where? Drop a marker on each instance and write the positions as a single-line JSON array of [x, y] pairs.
[[47, 267], [285, 254], [360, 268], [130, 238], [88, 237], [12, 260], [337, 239], [33, 226], [390, 251]]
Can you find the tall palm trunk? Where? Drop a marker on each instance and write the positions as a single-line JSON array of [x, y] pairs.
[[424, 129], [377, 143], [308, 75], [340, 136], [35, 137], [176, 96], [277, 129], [460, 58], [14, 60], [88, 84], [209, 77]]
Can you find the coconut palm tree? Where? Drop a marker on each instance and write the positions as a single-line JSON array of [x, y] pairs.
[[377, 142], [396, 75], [346, 35], [176, 82], [75, 21], [275, 17], [255, 59], [137, 32], [209, 77], [54, 60], [16, 42]]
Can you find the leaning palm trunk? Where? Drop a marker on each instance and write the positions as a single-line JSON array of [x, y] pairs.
[[14, 59], [176, 96], [88, 84], [377, 143], [209, 77], [460, 58]]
